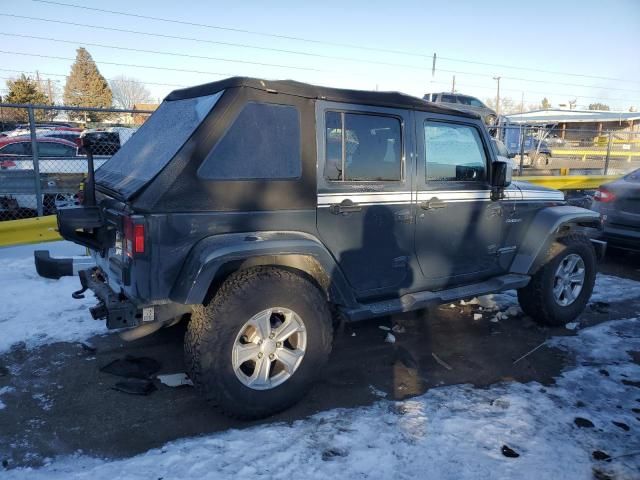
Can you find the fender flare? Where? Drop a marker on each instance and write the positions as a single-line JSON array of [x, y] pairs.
[[544, 228], [218, 255]]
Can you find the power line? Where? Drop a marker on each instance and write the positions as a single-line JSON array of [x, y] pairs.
[[305, 53], [158, 52], [467, 85], [325, 42]]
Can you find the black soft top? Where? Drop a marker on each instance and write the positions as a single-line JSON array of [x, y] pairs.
[[306, 90]]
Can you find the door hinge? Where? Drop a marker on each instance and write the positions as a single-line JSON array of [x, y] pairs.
[[400, 262]]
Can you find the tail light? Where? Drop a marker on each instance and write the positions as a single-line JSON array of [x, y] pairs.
[[133, 237], [603, 195]]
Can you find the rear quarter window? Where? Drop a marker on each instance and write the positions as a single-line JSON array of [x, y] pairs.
[[263, 142]]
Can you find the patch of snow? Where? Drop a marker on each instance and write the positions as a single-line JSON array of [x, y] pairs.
[[390, 338], [572, 325], [37, 310], [384, 327], [45, 402], [454, 432], [4, 390], [175, 380], [614, 289], [477, 316]]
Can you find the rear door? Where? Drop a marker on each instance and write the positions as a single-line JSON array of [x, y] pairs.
[[365, 214], [459, 230]]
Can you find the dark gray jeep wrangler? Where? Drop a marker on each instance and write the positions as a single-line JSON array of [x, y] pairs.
[[265, 210]]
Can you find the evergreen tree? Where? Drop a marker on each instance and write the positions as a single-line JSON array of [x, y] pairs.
[[86, 87], [27, 91], [546, 104]]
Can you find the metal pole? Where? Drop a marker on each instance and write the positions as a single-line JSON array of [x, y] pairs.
[[606, 160], [453, 85], [498, 96], [522, 137], [36, 160]]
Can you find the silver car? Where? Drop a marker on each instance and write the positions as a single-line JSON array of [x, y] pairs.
[[465, 103]]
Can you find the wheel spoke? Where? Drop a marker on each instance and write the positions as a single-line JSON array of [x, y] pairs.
[[557, 290], [571, 264], [288, 328], [246, 352], [568, 294], [289, 358], [260, 375], [263, 324]]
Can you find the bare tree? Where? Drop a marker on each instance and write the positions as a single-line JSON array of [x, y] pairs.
[[128, 92], [507, 105]]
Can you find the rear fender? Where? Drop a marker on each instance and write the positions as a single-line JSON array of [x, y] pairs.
[[549, 224], [215, 257]]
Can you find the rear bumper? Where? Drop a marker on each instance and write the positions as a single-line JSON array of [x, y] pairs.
[[122, 312], [622, 237], [49, 267]]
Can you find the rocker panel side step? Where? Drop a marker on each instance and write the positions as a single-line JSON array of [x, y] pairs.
[[418, 300]]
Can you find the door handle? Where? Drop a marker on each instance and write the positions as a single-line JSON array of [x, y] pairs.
[[345, 207], [432, 204]]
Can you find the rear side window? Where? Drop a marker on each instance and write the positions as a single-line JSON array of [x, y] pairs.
[[453, 153], [262, 143], [362, 147], [18, 148], [51, 149], [448, 99]]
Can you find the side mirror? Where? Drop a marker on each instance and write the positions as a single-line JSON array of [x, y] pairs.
[[501, 173]]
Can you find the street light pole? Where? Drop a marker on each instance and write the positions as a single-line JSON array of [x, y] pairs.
[[498, 96]]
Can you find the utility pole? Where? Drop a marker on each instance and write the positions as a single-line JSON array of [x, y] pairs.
[[522, 103], [433, 74], [498, 96], [453, 85]]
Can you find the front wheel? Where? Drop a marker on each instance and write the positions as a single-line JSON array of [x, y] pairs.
[[260, 343], [559, 291]]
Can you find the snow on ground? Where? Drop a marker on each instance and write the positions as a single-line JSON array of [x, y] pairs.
[[454, 432], [37, 311]]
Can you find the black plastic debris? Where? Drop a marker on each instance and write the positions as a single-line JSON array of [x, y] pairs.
[[509, 452], [600, 455], [132, 367], [621, 425], [135, 386], [599, 307], [583, 422], [331, 453]]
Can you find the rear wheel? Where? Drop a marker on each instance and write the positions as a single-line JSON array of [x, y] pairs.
[[257, 347], [542, 160], [561, 288]]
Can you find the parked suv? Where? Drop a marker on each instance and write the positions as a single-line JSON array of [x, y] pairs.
[[465, 103], [265, 210]]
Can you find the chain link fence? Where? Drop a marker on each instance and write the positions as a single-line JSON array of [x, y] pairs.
[[538, 150], [42, 162]]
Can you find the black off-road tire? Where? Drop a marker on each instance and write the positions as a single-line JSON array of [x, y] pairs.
[[213, 329], [537, 300]]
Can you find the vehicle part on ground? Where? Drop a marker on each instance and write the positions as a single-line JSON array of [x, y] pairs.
[[560, 289]]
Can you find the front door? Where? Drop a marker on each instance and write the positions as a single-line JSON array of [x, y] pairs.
[[459, 229], [365, 211]]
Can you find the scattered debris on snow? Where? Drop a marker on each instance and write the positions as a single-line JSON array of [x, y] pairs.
[[175, 380], [4, 390], [509, 452], [384, 327], [441, 362], [477, 316], [390, 338], [397, 328], [572, 325]]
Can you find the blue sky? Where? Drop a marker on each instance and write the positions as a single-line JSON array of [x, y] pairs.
[[593, 38]]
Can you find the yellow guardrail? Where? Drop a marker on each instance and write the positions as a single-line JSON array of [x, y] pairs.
[[28, 230], [584, 153], [569, 182]]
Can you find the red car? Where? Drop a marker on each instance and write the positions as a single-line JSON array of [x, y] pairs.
[[18, 149]]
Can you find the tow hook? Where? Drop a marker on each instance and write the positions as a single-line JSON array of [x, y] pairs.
[[82, 274], [99, 312]]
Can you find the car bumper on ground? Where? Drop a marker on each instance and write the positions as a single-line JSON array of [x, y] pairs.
[[55, 268]]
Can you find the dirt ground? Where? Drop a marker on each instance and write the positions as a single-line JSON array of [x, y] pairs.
[[64, 404]]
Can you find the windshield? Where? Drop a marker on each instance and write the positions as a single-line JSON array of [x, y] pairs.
[[151, 148]]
